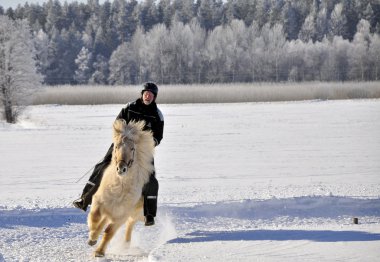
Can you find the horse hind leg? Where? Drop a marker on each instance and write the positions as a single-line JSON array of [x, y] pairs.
[[109, 232], [95, 224]]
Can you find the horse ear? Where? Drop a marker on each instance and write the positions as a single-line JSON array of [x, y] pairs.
[[119, 126]]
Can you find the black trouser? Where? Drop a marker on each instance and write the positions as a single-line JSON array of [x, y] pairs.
[[150, 190]]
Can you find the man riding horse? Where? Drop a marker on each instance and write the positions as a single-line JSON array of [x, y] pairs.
[[144, 108]]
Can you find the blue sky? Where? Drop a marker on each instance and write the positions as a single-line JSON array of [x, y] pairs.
[[13, 3]]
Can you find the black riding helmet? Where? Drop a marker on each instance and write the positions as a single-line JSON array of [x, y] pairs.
[[150, 86]]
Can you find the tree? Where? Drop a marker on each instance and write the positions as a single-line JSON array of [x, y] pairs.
[[18, 77], [41, 42], [374, 54], [291, 18], [184, 10], [237, 51], [101, 71], [275, 51], [337, 22], [157, 58], [205, 14], [359, 59], [83, 61], [121, 65], [148, 14], [308, 30], [54, 18]]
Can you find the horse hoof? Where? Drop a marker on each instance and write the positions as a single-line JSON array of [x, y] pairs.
[[99, 254], [92, 242]]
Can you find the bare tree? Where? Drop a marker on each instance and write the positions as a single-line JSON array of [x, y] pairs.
[[18, 77]]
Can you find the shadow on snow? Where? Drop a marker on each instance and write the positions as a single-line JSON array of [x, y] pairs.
[[300, 207], [277, 235], [53, 217]]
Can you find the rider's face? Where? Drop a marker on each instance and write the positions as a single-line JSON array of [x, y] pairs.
[[147, 97]]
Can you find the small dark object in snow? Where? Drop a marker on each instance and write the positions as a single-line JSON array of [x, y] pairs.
[[356, 220]]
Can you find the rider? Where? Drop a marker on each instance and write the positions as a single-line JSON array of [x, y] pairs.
[[144, 108]]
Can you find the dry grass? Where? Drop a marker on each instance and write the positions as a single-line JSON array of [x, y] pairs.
[[210, 93]]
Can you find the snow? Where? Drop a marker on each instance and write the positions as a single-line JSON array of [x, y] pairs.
[[238, 182]]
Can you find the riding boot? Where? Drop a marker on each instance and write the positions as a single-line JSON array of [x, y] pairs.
[[94, 182], [150, 192]]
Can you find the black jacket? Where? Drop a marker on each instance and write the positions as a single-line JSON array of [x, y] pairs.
[[152, 116]]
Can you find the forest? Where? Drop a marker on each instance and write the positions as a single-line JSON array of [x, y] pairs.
[[204, 41]]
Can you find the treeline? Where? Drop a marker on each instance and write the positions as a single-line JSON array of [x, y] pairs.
[[203, 41]]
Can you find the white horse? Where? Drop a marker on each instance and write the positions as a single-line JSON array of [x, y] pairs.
[[118, 199]]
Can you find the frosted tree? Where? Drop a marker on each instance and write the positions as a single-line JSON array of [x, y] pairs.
[[255, 51], [337, 22], [148, 14], [54, 18], [165, 12], [83, 62], [215, 55], [291, 18], [129, 63], [237, 51], [241, 9], [181, 53], [296, 55], [125, 18], [41, 42], [336, 66], [358, 56], [199, 38], [18, 78], [206, 14], [321, 24], [369, 15], [308, 30], [157, 59], [262, 11], [351, 13], [101, 71], [183, 10], [374, 54], [275, 51], [121, 64]]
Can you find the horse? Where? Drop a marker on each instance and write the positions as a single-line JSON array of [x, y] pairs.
[[119, 197]]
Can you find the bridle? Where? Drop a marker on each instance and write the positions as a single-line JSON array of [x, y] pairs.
[[130, 162]]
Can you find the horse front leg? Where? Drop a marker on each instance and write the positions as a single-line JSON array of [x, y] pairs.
[[129, 228], [95, 223], [135, 216], [109, 232]]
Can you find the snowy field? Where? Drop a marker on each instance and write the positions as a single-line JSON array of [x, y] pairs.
[[238, 182]]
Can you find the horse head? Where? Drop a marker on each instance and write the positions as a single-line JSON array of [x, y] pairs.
[[124, 147]]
